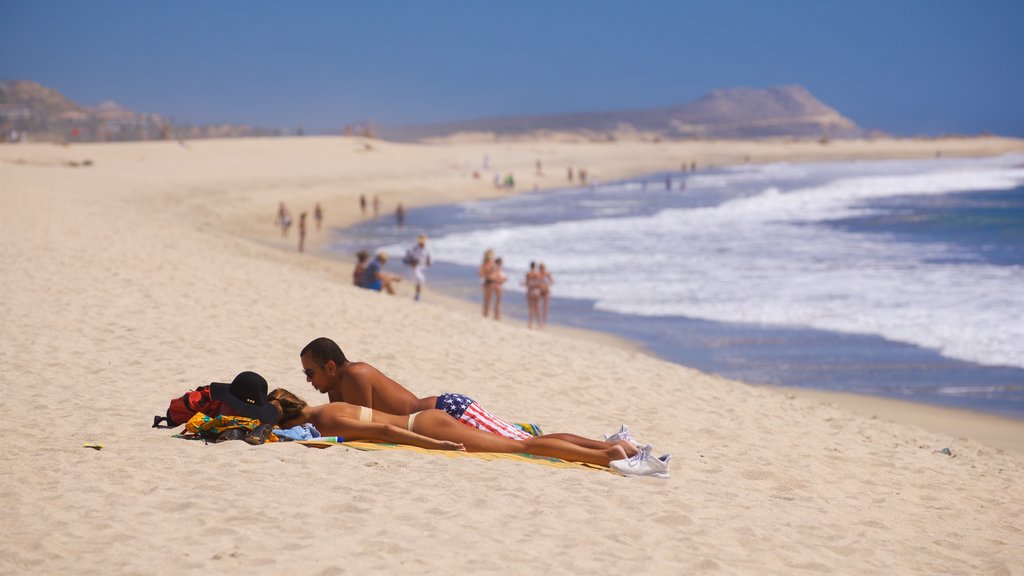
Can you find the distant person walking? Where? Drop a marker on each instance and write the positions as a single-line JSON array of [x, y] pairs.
[[302, 232], [362, 203], [318, 214], [486, 281], [532, 283], [284, 219], [546, 280], [418, 257], [400, 216]]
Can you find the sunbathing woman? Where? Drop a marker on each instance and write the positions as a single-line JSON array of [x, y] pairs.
[[436, 430]]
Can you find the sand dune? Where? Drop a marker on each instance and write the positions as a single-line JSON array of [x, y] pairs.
[[157, 269]]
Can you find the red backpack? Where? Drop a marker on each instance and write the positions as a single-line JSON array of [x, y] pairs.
[[184, 408]]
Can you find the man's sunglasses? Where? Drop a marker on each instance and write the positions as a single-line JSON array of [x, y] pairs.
[[309, 371]]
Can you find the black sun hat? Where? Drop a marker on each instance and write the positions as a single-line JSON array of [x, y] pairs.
[[246, 396]]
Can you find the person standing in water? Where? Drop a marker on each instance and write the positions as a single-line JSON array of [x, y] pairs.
[[485, 280], [546, 280], [498, 278], [532, 283], [400, 215]]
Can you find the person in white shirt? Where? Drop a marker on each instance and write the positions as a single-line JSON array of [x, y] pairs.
[[418, 257]]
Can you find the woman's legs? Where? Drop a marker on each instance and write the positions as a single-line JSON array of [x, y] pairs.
[[439, 425], [498, 293], [628, 448], [487, 298]]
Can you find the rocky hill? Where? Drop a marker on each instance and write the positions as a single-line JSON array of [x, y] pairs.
[[783, 111], [29, 110]]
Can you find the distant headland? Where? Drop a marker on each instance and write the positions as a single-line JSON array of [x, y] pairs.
[[30, 110]]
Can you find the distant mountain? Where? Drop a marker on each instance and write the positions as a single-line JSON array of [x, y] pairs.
[[40, 113], [783, 111]]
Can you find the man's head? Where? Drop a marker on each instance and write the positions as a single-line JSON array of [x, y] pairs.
[[422, 240], [321, 361], [382, 257]]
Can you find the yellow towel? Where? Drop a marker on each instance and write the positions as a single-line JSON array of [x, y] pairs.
[[371, 446]]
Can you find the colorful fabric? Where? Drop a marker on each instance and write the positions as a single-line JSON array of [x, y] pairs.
[[204, 425], [529, 428], [471, 413], [304, 432]]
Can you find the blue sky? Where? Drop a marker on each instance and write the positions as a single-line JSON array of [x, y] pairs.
[[906, 67]]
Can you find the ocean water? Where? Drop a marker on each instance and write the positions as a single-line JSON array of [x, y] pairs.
[[898, 278]]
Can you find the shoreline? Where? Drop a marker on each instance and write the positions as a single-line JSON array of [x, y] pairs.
[[991, 429]]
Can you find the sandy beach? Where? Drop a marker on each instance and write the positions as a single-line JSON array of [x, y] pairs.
[[133, 272]]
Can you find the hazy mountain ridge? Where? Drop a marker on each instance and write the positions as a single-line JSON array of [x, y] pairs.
[[734, 113], [784, 111], [40, 113]]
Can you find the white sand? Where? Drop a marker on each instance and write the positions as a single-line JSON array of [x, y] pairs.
[[158, 269]]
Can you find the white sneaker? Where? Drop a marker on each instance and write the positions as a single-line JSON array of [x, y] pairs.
[[642, 464], [622, 435]]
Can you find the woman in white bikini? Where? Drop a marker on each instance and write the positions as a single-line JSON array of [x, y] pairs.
[[497, 279], [546, 280], [486, 267], [436, 430], [533, 287]]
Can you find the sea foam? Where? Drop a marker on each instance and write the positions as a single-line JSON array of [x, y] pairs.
[[770, 258]]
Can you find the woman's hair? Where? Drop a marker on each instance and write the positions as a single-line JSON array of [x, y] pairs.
[[288, 404], [488, 255]]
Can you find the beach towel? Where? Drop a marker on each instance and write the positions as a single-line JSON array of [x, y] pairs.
[[304, 432], [372, 447]]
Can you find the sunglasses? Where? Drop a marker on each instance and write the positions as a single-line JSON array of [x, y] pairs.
[[309, 371]]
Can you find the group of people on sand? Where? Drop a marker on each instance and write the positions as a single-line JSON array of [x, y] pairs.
[[283, 219], [364, 404], [371, 275], [399, 210], [537, 282]]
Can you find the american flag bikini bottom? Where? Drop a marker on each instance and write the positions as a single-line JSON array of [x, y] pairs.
[[469, 412]]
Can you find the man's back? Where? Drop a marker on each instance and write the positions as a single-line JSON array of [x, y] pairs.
[[364, 385]]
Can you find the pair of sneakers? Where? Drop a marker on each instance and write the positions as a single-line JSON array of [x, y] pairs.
[[643, 463]]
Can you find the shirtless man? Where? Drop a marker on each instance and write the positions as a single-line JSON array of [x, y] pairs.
[[359, 383]]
